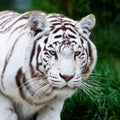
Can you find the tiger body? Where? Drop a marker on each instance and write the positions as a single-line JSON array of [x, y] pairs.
[[43, 58]]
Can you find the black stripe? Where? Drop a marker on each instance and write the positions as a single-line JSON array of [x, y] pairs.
[[20, 80], [44, 60], [21, 18], [7, 59], [21, 26], [71, 36], [54, 21], [33, 51], [56, 30], [38, 52], [87, 68], [57, 23], [65, 24], [58, 36], [71, 30], [46, 40], [37, 59], [6, 16], [89, 50], [31, 58], [5, 22]]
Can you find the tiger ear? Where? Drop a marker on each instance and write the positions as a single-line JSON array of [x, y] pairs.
[[86, 24], [38, 23]]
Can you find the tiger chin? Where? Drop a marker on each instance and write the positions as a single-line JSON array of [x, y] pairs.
[[43, 59]]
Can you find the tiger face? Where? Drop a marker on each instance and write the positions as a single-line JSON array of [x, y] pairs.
[[66, 61], [65, 54]]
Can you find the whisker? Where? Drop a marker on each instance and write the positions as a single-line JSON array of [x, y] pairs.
[[41, 91], [36, 90], [92, 88], [34, 86], [92, 77], [30, 81], [95, 74]]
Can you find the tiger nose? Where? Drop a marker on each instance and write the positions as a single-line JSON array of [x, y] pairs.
[[67, 78]]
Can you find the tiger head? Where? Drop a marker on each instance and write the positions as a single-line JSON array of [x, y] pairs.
[[65, 55]]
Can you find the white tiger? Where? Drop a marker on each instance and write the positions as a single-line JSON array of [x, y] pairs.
[[43, 59]]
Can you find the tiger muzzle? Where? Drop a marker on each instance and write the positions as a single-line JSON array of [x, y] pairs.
[[67, 78]]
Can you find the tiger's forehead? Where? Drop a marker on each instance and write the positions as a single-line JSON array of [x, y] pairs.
[[63, 31], [59, 22], [65, 45], [60, 19]]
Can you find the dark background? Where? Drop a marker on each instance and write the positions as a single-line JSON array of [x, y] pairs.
[[103, 100]]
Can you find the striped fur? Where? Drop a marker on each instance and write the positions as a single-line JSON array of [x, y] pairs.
[[43, 58]]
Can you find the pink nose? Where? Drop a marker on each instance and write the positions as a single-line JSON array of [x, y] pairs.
[[67, 78]]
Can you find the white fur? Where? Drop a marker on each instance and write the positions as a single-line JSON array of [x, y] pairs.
[[12, 105]]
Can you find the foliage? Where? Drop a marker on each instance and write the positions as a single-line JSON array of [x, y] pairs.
[[103, 9], [107, 39], [5, 4]]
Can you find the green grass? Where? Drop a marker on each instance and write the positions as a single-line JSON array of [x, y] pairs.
[[103, 101], [105, 105]]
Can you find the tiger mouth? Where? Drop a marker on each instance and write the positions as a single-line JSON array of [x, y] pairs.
[[66, 87]]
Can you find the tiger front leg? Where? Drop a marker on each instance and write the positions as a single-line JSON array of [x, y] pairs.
[[6, 109], [51, 112]]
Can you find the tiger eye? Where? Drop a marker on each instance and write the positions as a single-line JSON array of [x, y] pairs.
[[52, 52], [77, 53]]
